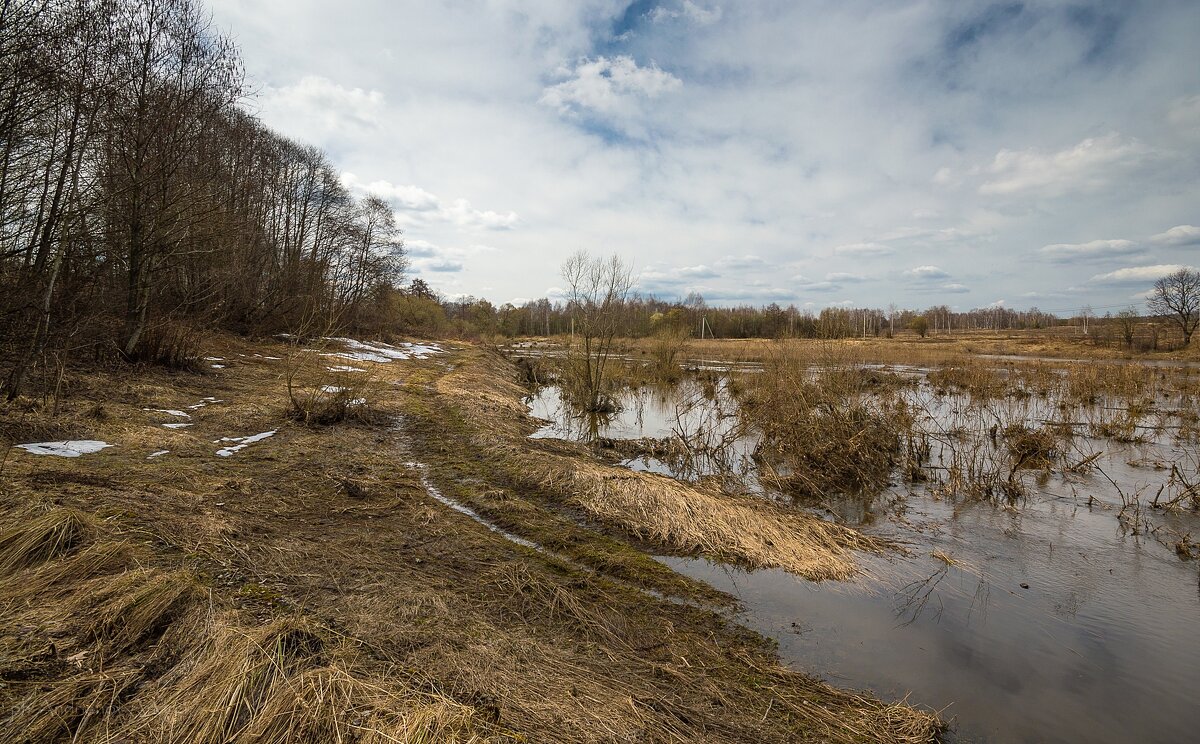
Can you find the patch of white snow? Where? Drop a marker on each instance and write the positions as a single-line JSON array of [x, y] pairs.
[[242, 442], [65, 448]]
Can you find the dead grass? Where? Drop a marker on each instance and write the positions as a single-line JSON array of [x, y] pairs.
[[825, 427], [258, 597], [49, 535], [680, 517]]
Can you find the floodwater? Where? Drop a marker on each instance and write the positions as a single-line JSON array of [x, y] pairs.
[[1053, 623]]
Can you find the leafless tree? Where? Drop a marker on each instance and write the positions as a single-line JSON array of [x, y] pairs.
[[596, 292], [1177, 297]]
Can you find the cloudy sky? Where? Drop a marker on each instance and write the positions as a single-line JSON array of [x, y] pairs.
[[816, 153]]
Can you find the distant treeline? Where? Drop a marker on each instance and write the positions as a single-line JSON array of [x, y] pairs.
[[643, 316], [139, 204], [647, 316]]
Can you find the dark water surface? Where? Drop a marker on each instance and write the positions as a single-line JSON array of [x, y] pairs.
[[1101, 644]]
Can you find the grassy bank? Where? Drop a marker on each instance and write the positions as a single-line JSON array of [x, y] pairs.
[[306, 586]]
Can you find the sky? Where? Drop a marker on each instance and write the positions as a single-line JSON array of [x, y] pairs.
[[811, 153]]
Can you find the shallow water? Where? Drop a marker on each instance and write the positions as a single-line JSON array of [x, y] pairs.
[[1102, 645]]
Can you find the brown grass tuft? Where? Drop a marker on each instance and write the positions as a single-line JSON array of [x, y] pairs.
[[42, 538]]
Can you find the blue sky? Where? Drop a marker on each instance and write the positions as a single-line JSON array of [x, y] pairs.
[[816, 153]]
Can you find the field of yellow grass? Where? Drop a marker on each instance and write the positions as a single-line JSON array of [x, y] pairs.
[[216, 583]]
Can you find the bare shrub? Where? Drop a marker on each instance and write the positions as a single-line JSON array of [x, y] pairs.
[[823, 427]]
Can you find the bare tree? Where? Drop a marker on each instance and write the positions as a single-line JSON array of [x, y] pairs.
[[596, 291], [1127, 321], [1177, 297]]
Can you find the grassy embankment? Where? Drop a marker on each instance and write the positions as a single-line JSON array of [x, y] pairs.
[[307, 587]]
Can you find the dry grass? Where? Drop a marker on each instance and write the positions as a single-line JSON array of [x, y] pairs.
[[825, 427], [307, 588], [680, 517], [52, 534]]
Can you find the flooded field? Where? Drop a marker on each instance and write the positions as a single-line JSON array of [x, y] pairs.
[[1045, 589]]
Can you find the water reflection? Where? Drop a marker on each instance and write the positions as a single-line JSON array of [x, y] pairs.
[[1046, 619]]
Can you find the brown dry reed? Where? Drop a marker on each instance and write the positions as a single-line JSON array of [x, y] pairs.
[[827, 425], [96, 647]]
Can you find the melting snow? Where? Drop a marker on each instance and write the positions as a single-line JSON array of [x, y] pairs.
[[433, 491], [344, 368], [204, 402], [169, 411], [380, 352], [160, 453], [333, 389], [218, 366], [243, 442], [214, 359], [182, 425], [66, 448]]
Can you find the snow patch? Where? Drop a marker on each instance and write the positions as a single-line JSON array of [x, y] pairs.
[[242, 442], [159, 453], [217, 366], [169, 412], [380, 352], [333, 389], [181, 425], [65, 448], [344, 368], [214, 359]]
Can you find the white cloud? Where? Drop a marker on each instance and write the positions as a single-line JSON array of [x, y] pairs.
[[319, 100], [415, 205], [864, 249], [1185, 114], [842, 276], [1092, 250], [687, 11], [746, 261], [1091, 164], [717, 150], [926, 273], [1178, 235], [1136, 274], [605, 85]]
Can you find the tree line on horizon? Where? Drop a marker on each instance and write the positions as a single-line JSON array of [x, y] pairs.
[[640, 316], [141, 204]]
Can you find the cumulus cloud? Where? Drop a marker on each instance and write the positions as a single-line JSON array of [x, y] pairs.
[[1091, 164], [414, 205], [606, 85], [1136, 274], [319, 100], [1092, 250], [680, 145], [926, 273], [687, 11], [1178, 236]]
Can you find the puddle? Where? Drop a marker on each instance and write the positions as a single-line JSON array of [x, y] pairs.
[[1101, 646]]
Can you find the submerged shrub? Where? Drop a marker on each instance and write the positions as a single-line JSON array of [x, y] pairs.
[[824, 427]]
